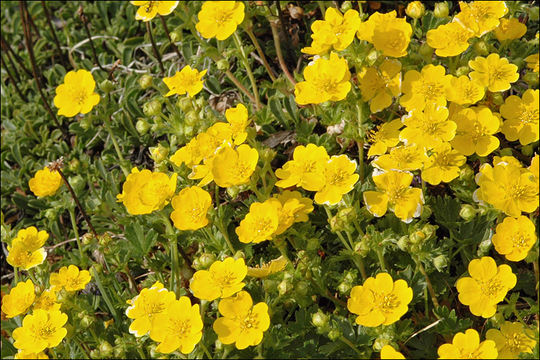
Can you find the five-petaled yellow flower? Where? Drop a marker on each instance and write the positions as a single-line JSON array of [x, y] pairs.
[[76, 95], [146, 191], [223, 279], [26, 250], [339, 179], [486, 287], [386, 136], [260, 223], [178, 327], [467, 345], [380, 85], [464, 91], [242, 323], [41, 330], [510, 29], [522, 117], [493, 72], [389, 34], [220, 18], [449, 39], [325, 80], [149, 9], [19, 299], [232, 167], [388, 352], [187, 80], [45, 182], [190, 208], [514, 237], [476, 128], [481, 16], [237, 117], [428, 128], [442, 165], [305, 170], [21, 354], [380, 301], [426, 87], [512, 339], [70, 278]]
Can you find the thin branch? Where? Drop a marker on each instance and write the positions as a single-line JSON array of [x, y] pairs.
[[175, 48], [87, 29], [255, 42], [274, 25], [18, 59], [13, 81], [57, 43], [154, 47]]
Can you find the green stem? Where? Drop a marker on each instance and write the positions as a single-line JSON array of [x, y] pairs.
[[76, 231], [274, 22], [16, 275], [238, 43], [428, 282], [103, 292], [251, 35], [31, 275], [360, 143], [107, 124], [205, 349], [351, 345], [380, 256], [141, 352]]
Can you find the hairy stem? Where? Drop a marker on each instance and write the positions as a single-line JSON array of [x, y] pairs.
[[274, 25], [260, 51], [245, 60], [154, 47], [87, 30]]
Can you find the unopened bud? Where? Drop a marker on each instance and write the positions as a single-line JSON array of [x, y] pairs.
[[403, 243], [415, 10], [531, 78], [466, 173], [462, 70], [467, 212], [319, 319], [191, 118], [440, 262], [497, 98], [145, 81], [481, 48], [528, 150], [334, 334], [441, 10], [142, 126], [223, 65], [372, 57], [176, 35], [426, 51], [417, 237], [105, 349], [106, 86], [152, 108], [347, 5], [284, 287], [158, 153]]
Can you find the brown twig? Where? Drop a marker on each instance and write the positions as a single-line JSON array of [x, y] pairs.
[[175, 48], [37, 75], [18, 59], [154, 47], [84, 20], [255, 42], [115, 65], [13, 81], [56, 42], [274, 25]]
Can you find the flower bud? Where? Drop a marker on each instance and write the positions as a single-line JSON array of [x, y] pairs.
[[51, 214], [206, 259], [239, 254], [531, 78], [284, 287], [152, 108], [176, 35], [104, 239], [106, 86], [86, 121], [441, 10], [184, 104], [334, 334], [319, 319], [466, 173], [483, 247], [481, 48], [142, 126], [191, 118], [372, 57], [218, 344], [94, 354], [361, 248], [429, 230], [270, 286], [74, 165], [534, 13], [233, 191], [380, 342], [105, 349], [467, 212], [426, 51], [301, 288], [145, 81], [159, 153], [344, 288], [440, 262], [415, 10], [417, 237], [223, 65], [497, 98], [87, 238], [462, 70], [426, 212], [403, 243]]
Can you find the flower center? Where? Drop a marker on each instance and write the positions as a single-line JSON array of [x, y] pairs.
[[46, 331], [516, 343], [337, 177], [223, 18], [431, 90], [263, 225], [529, 115], [492, 287], [520, 241], [386, 302], [250, 322], [80, 97]]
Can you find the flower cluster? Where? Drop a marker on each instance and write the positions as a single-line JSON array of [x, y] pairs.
[[26, 250]]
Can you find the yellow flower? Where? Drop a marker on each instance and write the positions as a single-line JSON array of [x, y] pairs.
[[533, 62], [190, 208], [145, 306], [146, 191], [514, 238], [70, 278], [45, 182], [388, 352], [475, 131], [41, 330], [387, 33], [185, 81], [335, 31], [26, 250], [481, 16], [178, 327], [425, 87], [380, 301], [300, 214], [286, 213], [386, 136], [220, 18], [378, 86], [428, 128], [535, 169], [404, 158], [76, 94], [259, 224], [232, 167], [242, 323], [395, 193], [512, 339], [367, 28], [30, 355], [237, 117], [521, 117], [326, 80], [305, 170], [268, 269], [149, 9], [47, 301], [449, 39], [493, 72], [19, 299], [442, 165], [415, 9], [510, 189], [510, 29], [486, 287], [223, 279], [467, 345], [464, 91], [339, 179]]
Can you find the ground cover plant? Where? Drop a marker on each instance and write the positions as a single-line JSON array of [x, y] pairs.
[[270, 179]]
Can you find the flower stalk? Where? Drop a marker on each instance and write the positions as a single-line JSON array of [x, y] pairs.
[[244, 59]]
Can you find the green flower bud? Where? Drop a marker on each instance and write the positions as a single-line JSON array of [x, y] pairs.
[[267, 154], [152, 351], [145, 81], [191, 118], [462, 70], [380, 342], [176, 35], [223, 65], [51, 214], [184, 104], [483, 247], [344, 288], [497, 98], [207, 259], [301, 288], [284, 287], [372, 57], [152, 108], [467, 212], [362, 247], [270, 286], [97, 267], [104, 239], [466, 173], [159, 153], [77, 183], [440, 262], [87, 238], [481, 48], [233, 191], [527, 150], [74, 165], [505, 152], [319, 319], [441, 10], [86, 121], [403, 243], [188, 131], [415, 10], [334, 334], [533, 13], [105, 349], [417, 237], [106, 86], [119, 352], [531, 79], [142, 126], [94, 354], [426, 212], [239, 254], [426, 51], [429, 230], [347, 5]]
